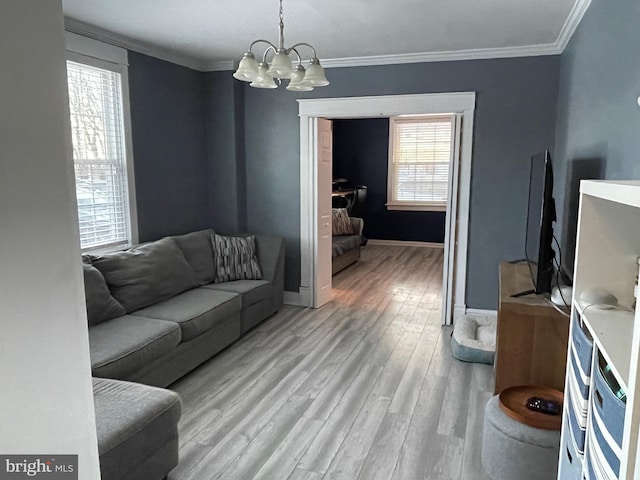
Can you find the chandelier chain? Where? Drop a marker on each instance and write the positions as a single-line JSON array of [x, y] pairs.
[[281, 28]]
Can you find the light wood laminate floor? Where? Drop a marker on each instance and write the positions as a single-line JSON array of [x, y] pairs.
[[363, 388]]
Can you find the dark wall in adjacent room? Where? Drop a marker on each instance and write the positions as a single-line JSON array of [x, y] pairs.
[[361, 155], [515, 116], [169, 147], [598, 129]]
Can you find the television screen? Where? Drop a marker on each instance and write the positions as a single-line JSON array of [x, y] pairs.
[[540, 217]]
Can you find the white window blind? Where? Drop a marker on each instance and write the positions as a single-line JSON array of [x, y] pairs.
[[421, 151], [99, 154]]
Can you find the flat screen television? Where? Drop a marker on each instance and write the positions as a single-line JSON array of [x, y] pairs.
[[541, 214]]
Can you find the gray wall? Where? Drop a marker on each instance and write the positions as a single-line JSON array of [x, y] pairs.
[[169, 147], [515, 116], [211, 151], [598, 130], [226, 183]]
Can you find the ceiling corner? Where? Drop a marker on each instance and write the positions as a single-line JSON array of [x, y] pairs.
[[578, 11], [91, 31]]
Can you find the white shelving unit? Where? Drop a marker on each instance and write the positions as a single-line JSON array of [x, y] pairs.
[[607, 249], [615, 344]]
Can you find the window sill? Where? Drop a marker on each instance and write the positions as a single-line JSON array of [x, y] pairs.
[[101, 250], [416, 207]]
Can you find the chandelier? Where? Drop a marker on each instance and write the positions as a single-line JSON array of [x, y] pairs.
[[265, 75]]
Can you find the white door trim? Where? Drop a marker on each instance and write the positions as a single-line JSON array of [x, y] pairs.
[[462, 103], [323, 151], [448, 263]]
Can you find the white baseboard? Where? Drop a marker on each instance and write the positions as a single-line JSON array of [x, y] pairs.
[[402, 243], [298, 299]]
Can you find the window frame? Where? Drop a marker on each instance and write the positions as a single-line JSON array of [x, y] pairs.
[[97, 54], [393, 204]]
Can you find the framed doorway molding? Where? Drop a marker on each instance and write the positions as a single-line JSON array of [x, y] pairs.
[[457, 222]]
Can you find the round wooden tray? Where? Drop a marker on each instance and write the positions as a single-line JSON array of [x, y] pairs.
[[513, 402]]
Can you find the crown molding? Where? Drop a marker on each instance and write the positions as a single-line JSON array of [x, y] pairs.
[[219, 65], [424, 57], [447, 56], [568, 29], [91, 31], [580, 7]]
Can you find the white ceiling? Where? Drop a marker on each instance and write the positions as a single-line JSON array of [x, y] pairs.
[[204, 33]]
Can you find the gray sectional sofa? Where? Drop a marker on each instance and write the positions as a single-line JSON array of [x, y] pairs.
[[137, 429], [173, 316], [345, 249], [156, 312]]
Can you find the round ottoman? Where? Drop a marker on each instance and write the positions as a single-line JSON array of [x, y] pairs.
[[512, 450]]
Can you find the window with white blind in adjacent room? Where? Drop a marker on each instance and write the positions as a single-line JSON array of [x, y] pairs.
[[421, 155], [100, 154]]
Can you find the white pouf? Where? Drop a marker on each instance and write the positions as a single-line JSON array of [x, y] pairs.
[[474, 338], [514, 451]]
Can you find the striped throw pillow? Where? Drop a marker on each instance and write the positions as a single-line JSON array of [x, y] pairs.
[[340, 222], [235, 258]]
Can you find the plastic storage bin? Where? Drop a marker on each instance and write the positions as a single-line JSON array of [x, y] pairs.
[[571, 462], [609, 408], [581, 355], [596, 465], [607, 453], [606, 414], [576, 420]]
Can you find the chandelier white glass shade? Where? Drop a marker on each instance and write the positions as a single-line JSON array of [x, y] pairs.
[[262, 78], [265, 75]]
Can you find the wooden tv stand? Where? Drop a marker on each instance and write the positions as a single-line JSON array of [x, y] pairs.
[[532, 336]]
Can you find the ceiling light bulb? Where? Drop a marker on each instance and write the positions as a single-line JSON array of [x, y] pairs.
[[280, 65], [315, 77], [297, 77], [247, 68], [263, 80]]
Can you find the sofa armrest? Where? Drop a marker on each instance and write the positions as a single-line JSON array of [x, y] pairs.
[[271, 257], [270, 250], [357, 224]]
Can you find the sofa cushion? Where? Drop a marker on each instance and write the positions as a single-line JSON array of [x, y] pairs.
[[146, 274], [341, 244], [101, 305], [196, 311], [123, 345], [251, 291], [134, 422], [235, 258], [340, 222], [196, 247]]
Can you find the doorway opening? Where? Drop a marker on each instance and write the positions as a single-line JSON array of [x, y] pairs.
[[313, 216]]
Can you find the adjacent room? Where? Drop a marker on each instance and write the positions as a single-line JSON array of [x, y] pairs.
[[301, 241]]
